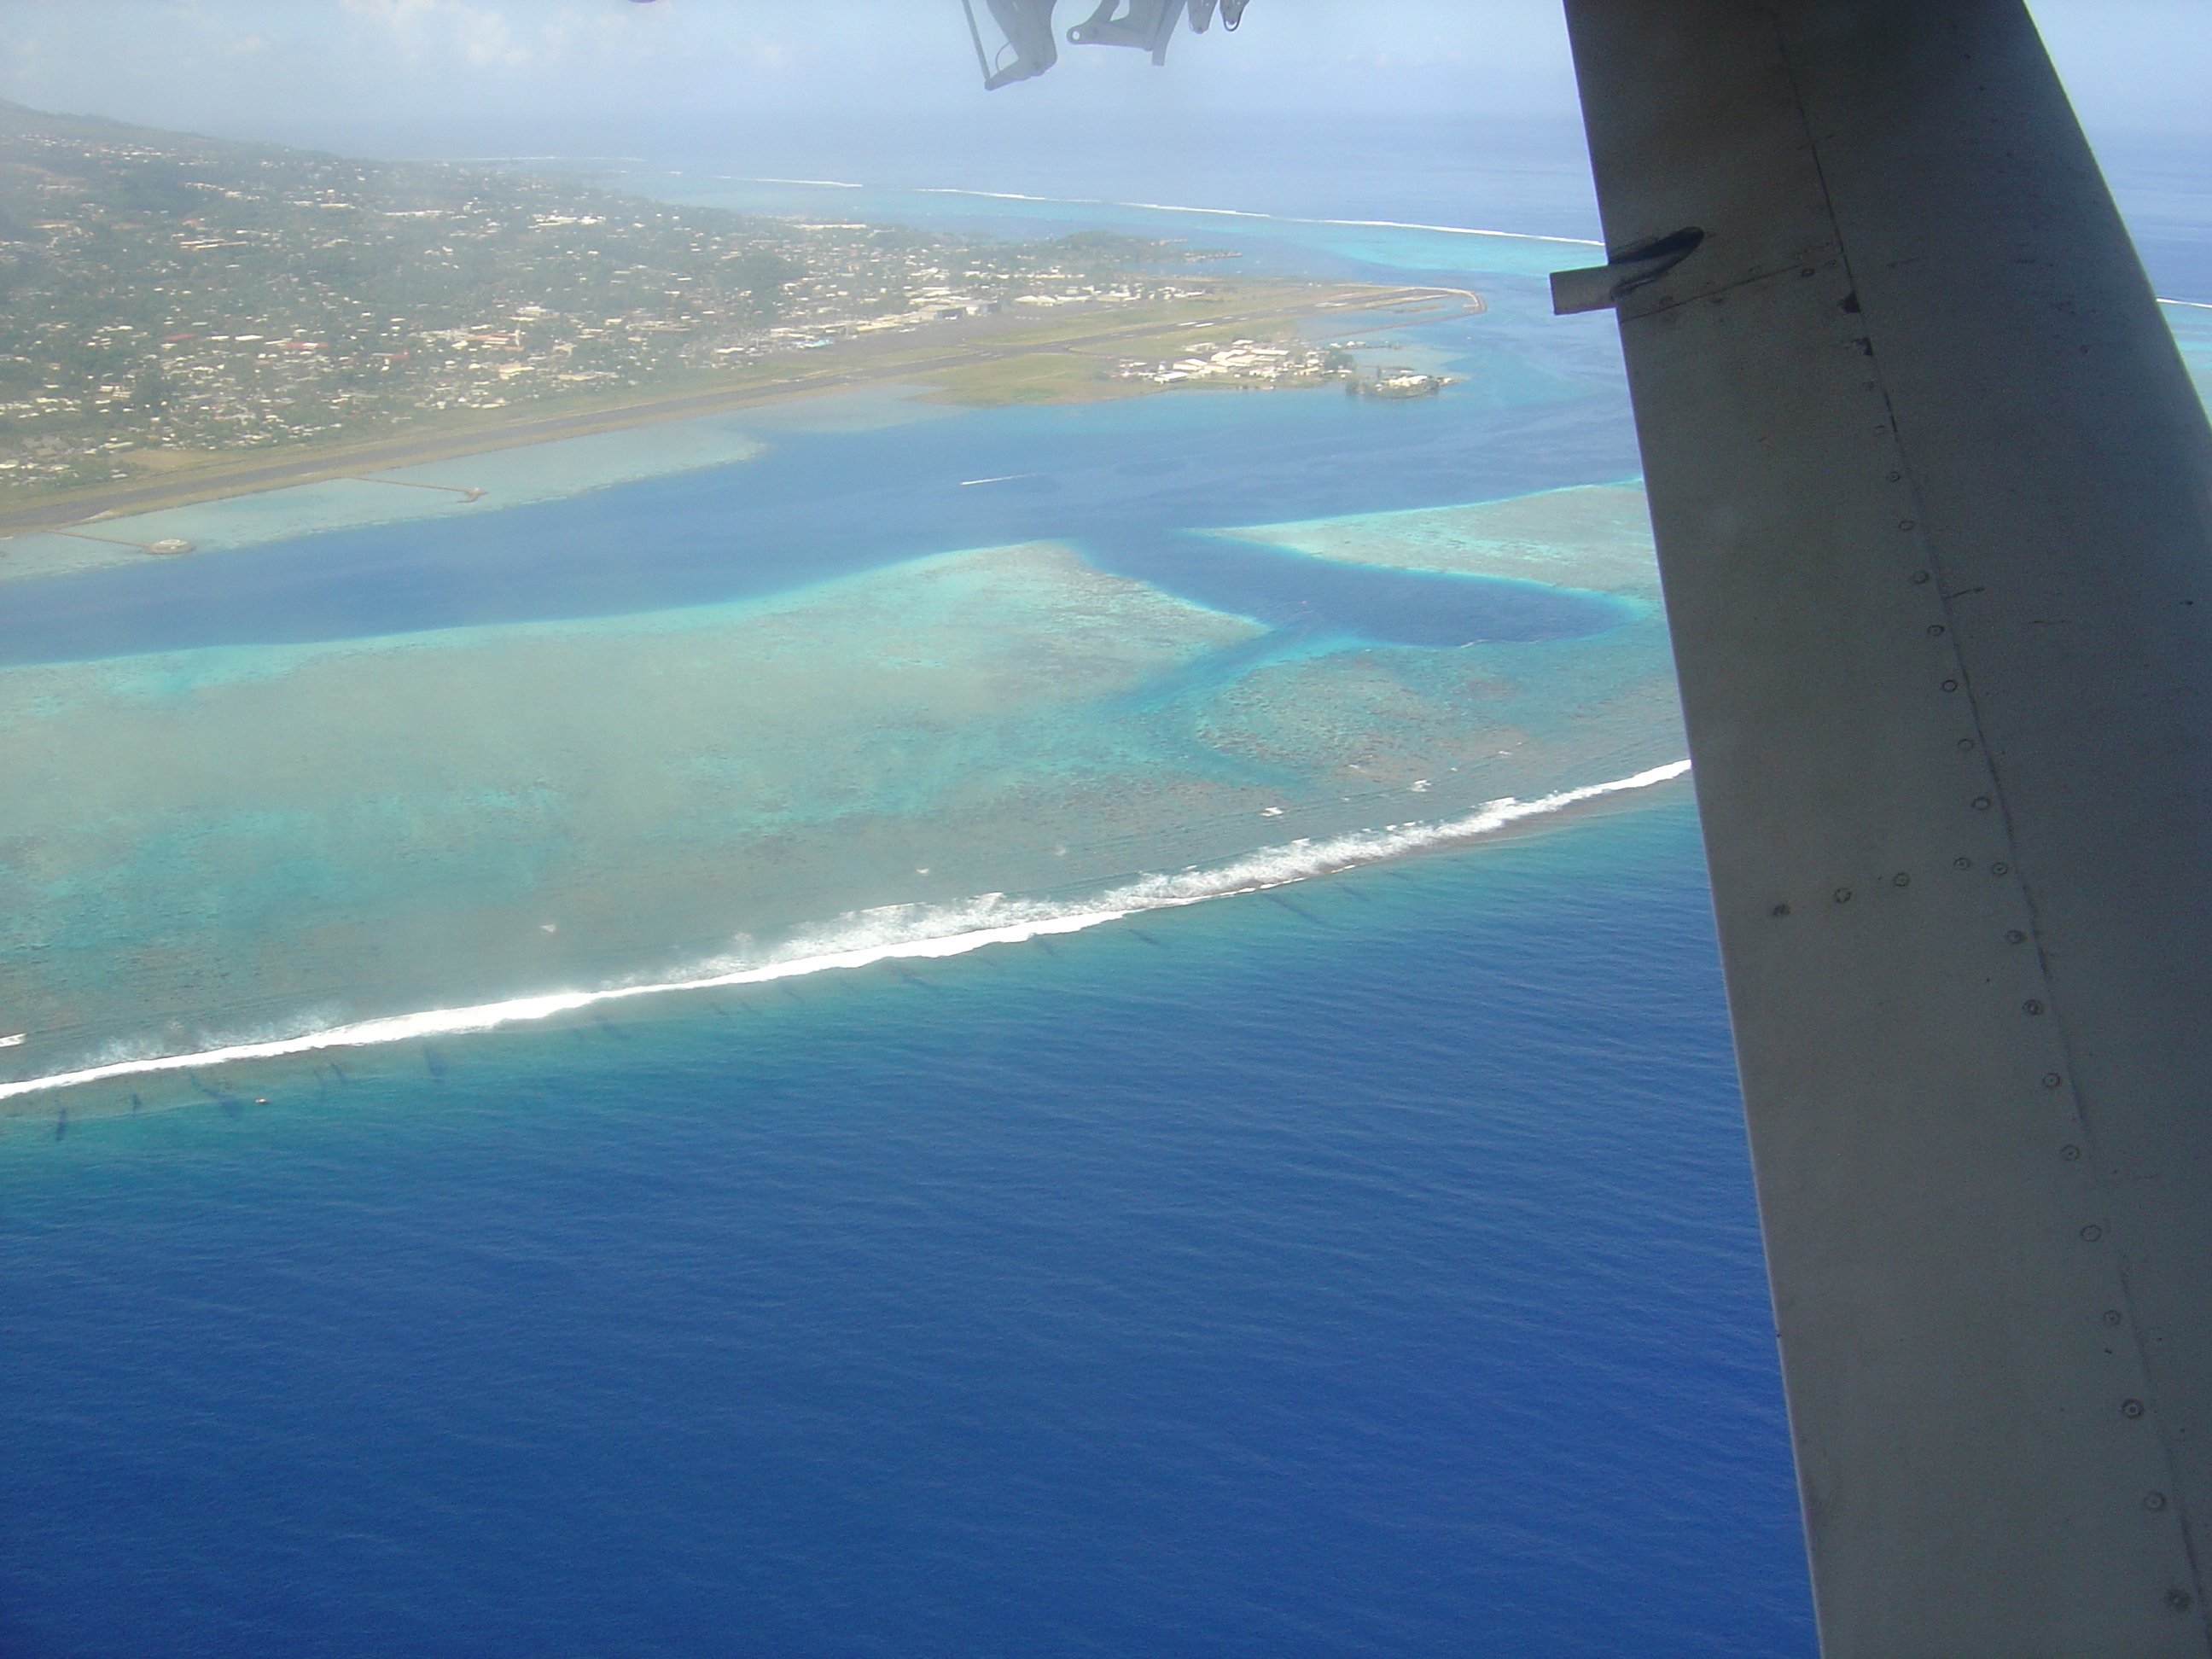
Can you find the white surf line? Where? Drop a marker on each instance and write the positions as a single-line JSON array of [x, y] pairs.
[[484, 1017], [1151, 207], [1246, 213], [825, 184], [1004, 478], [754, 179], [1274, 867], [2194, 305], [463, 161]]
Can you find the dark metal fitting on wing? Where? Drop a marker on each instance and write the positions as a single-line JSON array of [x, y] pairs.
[[1599, 288]]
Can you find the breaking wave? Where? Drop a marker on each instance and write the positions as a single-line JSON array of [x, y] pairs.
[[1245, 213], [903, 931], [1157, 207]]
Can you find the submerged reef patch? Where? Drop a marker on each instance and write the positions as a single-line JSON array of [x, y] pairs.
[[1547, 714], [243, 844], [1590, 536]]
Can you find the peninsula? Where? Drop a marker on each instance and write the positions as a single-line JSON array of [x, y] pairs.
[[188, 319]]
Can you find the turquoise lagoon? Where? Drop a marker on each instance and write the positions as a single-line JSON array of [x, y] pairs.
[[807, 684], [252, 843], [815, 683]]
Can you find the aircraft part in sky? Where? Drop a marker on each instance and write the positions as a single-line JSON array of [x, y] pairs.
[[1027, 28], [1933, 505]]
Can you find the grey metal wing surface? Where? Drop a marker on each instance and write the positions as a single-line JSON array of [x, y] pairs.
[[1933, 498]]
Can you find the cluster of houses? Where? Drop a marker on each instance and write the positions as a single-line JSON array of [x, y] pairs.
[[1239, 362]]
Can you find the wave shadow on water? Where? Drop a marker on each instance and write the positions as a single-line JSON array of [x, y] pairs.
[[1287, 589]]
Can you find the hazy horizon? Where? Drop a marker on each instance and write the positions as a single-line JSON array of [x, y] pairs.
[[442, 76]]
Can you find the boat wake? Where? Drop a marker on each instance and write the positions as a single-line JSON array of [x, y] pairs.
[[898, 932]]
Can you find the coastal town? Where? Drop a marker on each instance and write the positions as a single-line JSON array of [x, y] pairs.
[[169, 298], [1261, 363]]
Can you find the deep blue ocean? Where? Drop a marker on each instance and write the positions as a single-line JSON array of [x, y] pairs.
[[1365, 1268], [1371, 1270]]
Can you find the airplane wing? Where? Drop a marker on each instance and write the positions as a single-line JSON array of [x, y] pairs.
[[1933, 497]]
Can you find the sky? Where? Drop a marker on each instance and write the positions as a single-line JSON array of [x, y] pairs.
[[410, 76], [195, 61]]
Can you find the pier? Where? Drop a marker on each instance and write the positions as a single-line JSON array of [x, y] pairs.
[[166, 544], [466, 495]]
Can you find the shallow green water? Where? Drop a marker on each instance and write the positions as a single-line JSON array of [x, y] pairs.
[[242, 844]]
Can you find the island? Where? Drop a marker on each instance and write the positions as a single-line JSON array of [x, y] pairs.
[[189, 317]]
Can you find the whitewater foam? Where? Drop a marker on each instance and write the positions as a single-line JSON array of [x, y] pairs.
[[902, 932], [1242, 213], [1162, 207]]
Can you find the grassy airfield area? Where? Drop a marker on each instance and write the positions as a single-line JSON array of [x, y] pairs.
[[1066, 358]]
